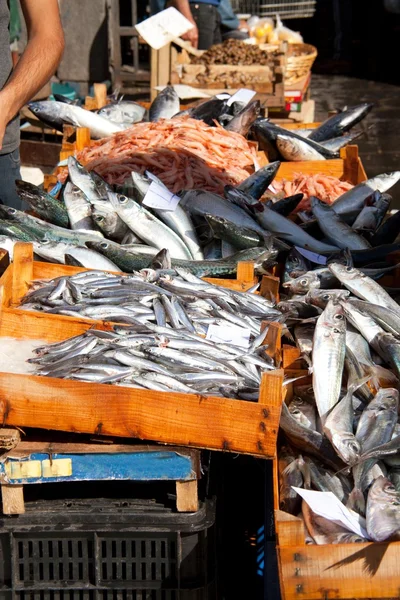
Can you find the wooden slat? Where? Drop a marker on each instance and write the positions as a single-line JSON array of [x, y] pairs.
[[13, 499], [349, 154], [100, 93], [82, 138], [289, 529], [187, 499], [270, 287], [153, 73], [290, 355], [182, 419], [22, 270], [340, 571], [245, 271]]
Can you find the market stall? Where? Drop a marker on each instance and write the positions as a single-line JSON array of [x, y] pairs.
[[194, 279]]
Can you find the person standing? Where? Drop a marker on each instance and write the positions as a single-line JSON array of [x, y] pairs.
[[206, 21], [35, 67]]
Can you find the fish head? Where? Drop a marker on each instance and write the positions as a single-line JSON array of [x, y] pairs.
[[384, 182], [386, 400], [383, 491], [299, 416], [303, 284], [321, 298], [333, 319], [8, 212], [348, 448], [345, 273], [42, 107]]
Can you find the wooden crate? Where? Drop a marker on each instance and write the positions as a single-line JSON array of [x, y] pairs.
[[35, 461], [347, 168], [18, 275], [194, 420], [182, 419], [339, 571], [170, 66]]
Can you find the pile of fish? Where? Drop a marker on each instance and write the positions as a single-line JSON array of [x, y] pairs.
[[321, 143], [91, 225], [114, 232], [161, 345], [342, 433], [222, 111]]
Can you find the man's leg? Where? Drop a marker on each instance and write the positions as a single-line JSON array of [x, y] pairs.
[[9, 172], [206, 16]]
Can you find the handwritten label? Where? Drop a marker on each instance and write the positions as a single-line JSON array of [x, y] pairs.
[[229, 334], [327, 505], [161, 29], [319, 259], [243, 95], [158, 196]]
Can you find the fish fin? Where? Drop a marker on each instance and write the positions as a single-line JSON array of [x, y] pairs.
[[305, 470], [351, 389], [378, 373], [356, 501]]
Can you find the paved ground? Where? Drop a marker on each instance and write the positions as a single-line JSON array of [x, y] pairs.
[[380, 146]]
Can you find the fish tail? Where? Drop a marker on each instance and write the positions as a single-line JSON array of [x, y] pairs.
[[379, 375]]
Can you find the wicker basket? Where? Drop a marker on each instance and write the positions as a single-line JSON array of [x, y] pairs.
[[300, 59]]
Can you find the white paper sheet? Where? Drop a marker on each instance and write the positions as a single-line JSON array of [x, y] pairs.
[[243, 95], [229, 334], [158, 196], [185, 92], [163, 27], [327, 505]]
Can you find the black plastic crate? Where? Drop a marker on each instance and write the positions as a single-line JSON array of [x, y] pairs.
[[106, 549]]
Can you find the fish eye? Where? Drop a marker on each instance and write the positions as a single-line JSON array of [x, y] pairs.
[[123, 199], [304, 282], [295, 411], [12, 211], [104, 245], [326, 297], [336, 330], [338, 317], [349, 269], [310, 390]]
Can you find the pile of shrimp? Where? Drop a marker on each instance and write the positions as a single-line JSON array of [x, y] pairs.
[[184, 153], [325, 187]]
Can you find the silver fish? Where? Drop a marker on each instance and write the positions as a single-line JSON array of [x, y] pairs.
[[56, 114], [383, 511], [165, 105], [363, 286], [328, 357]]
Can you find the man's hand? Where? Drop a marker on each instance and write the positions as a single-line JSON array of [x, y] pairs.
[[192, 36]]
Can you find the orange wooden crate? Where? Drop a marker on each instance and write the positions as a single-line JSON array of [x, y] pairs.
[[194, 420], [340, 571]]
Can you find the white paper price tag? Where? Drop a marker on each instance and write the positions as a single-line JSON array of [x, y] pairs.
[[224, 334], [319, 259], [163, 27], [243, 95], [158, 196], [327, 505]]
